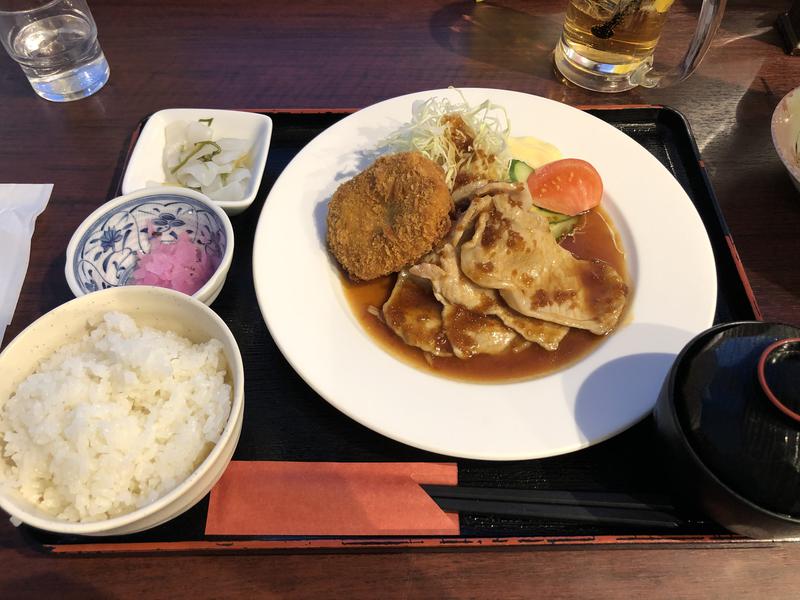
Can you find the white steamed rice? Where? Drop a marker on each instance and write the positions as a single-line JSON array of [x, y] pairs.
[[114, 421]]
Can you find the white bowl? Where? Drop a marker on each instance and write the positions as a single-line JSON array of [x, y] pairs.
[[146, 165], [104, 248], [786, 133], [149, 306]]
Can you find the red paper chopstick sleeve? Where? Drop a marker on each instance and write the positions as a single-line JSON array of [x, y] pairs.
[[327, 498]]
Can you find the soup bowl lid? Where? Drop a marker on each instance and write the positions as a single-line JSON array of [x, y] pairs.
[[736, 398]]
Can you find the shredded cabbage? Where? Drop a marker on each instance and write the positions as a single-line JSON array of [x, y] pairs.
[[429, 133]]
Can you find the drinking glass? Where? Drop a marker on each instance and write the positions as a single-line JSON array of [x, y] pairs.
[[55, 43], [608, 45]]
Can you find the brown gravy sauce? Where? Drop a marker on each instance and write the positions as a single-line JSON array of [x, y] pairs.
[[595, 238]]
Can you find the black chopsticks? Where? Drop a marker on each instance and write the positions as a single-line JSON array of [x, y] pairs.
[[587, 507]]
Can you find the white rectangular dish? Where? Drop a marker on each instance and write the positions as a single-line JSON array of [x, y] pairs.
[[146, 166]]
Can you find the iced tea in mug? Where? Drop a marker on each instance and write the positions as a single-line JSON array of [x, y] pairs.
[[607, 45]]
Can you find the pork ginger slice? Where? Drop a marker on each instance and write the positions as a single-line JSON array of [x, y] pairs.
[[415, 315], [513, 251], [451, 287], [471, 333]]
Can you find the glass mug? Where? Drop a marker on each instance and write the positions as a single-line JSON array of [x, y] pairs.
[[607, 45]]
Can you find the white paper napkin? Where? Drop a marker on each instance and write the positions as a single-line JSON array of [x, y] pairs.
[[20, 204]]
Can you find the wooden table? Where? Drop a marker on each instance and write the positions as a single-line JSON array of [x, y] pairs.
[[313, 53]]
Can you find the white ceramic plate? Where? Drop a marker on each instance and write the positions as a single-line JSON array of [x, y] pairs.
[[669, 259], [786, 133], [146, 163]]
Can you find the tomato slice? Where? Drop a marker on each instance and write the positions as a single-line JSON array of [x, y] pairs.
[[569, 186]]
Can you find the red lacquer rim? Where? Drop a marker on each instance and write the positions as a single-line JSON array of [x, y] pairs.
[[763, 381]]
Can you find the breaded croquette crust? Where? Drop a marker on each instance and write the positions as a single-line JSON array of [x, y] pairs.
[[389, 216]]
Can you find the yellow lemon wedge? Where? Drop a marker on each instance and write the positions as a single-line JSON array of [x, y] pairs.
[[533, 151], [662, 5]]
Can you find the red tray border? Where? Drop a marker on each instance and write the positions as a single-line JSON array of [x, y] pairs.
[[293, 545]]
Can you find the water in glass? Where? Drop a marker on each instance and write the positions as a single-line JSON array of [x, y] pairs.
[[61, 56]]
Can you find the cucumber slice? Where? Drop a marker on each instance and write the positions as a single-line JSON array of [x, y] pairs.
[[518, 170], [562, 228], [552, 217]]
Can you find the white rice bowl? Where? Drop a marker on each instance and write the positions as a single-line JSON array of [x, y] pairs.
[[114, 421], [109, 427]]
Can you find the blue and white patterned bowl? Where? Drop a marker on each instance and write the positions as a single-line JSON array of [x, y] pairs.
[[106, 247]]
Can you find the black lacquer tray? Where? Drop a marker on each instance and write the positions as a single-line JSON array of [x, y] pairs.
[[286, 421]]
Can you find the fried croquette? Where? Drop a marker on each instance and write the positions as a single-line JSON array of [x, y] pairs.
[[389, 216]]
